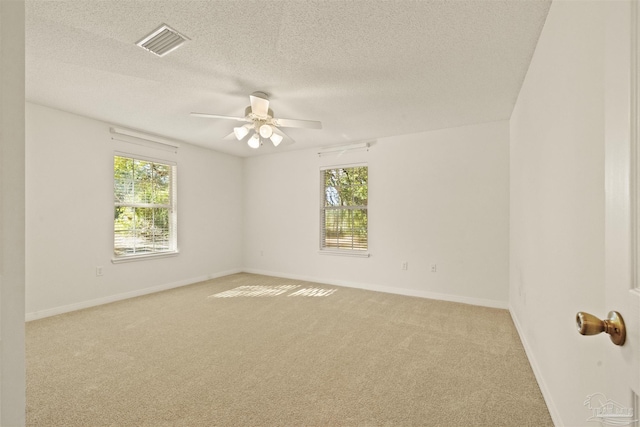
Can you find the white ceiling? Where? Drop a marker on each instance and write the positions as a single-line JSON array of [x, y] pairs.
[[365, 69]]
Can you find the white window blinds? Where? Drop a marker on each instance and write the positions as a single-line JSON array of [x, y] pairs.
[[144, 207], [343, 208]]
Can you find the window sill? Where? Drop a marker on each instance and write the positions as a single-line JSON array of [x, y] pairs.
[[133, 258], [346, 253]]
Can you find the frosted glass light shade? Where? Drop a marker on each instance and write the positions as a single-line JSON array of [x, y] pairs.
[[254, 141], [266, 131], [240, 132], [276, 139]]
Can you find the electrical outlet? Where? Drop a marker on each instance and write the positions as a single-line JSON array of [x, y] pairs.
[[434, 268], [405, 265], [99, 271]]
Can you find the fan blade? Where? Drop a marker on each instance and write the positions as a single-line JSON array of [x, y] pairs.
[[215, 116], [259, 104], [292, 123], [230, 137], [286, 139]]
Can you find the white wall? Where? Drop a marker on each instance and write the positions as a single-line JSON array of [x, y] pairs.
[[557, 206], [12, 209], [69, 220], [435, 197]]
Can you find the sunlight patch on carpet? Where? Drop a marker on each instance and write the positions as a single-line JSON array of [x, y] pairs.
[[312, 292], [255, 291], [272, 291]]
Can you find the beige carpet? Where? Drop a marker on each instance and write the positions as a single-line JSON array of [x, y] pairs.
[[275, 352]]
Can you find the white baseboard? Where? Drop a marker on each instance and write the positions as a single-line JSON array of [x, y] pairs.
[[387, 289], [553, 410], [126, 295]]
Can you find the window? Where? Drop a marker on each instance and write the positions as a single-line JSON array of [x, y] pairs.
[[343, 211], [145, 209]]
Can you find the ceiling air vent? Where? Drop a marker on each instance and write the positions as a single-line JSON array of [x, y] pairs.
[[162, 40]]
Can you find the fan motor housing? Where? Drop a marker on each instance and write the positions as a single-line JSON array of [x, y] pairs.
[[249, 114]]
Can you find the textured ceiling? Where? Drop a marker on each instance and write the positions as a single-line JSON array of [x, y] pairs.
[[365, 69]]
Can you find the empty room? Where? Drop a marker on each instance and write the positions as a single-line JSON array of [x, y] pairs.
[[319, 213]]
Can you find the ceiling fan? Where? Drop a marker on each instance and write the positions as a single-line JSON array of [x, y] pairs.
[[261, 124]]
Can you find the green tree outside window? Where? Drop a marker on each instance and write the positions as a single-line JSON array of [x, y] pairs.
[[344, 208], [144, 212]]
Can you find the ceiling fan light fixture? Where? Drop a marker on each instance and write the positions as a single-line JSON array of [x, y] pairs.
[[254, 141], [266, 131], [276, 139], [261, 125], [241, 132]]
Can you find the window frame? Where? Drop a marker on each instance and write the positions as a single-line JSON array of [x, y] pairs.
[[171, 206], [325, 250]]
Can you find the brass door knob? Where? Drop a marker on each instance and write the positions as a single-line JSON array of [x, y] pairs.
[[588, 324]]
